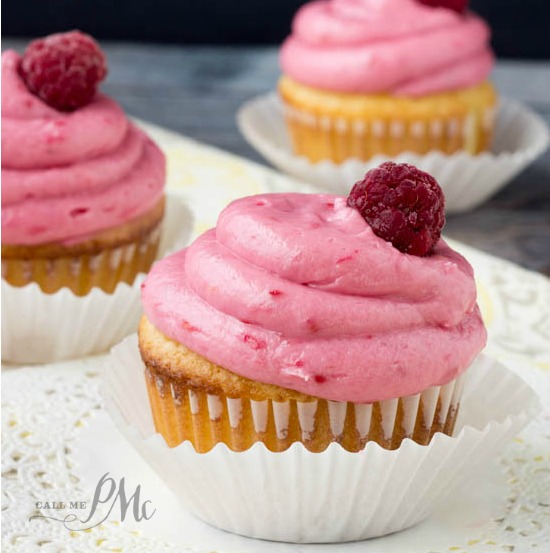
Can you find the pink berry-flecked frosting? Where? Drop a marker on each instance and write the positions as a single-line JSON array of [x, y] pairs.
[[296, 290], [69, 175], [401, 47]]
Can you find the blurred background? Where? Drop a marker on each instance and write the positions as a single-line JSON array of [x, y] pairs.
[[520, 27]]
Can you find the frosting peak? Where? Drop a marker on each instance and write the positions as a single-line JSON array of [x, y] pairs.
[[296, 290], [401, 47]]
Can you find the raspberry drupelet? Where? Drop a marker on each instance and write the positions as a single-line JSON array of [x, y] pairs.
[[403, 205], [64, 69]]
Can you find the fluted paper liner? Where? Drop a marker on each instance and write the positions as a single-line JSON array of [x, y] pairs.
[[467, 180], [39, 327], [184, 413], [319, 137], [83, 273], [336, 495]]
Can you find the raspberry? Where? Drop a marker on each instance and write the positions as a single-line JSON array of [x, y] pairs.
[[63, 69], [455, 5], [403, 205]]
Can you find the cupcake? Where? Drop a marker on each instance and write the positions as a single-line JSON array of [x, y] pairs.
[[368, 77], [313, 319], [82, 186]]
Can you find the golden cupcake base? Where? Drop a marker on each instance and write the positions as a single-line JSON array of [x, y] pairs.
[[335, 126], [195, 400], [102, 261]]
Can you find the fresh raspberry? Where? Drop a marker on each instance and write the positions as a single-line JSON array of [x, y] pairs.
[[459, 6], [63, 69], [403, 205]]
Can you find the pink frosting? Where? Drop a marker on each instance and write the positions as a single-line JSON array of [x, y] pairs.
[[66, 176], [401, 47], [296, 290]]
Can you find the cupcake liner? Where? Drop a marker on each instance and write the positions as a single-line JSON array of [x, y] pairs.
[[205, 419], [520, 136], [337, 138], [304, 497], [39, 327], [83, 273]]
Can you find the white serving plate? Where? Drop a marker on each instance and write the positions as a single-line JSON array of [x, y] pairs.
[[57, 436]]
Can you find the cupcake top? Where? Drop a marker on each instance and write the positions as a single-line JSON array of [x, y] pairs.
[[400, 47], [298, 291], [69, 172]]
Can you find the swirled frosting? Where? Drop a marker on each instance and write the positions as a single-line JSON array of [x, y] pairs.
[[296, 290], [400, 47], [66, 176]]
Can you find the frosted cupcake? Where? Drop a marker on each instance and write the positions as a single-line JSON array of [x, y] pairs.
[[368, 77], [82, 187], [313, 319]]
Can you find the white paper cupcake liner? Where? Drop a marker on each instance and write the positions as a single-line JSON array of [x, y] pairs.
[[520, 136], [40, 328], [333, 496], [206, 418]]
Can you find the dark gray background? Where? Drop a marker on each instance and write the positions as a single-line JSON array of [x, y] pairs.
[[520, 27]]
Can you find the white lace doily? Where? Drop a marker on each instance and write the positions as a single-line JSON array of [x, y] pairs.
[[47, 410]]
